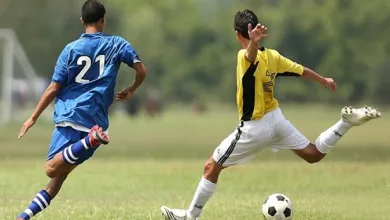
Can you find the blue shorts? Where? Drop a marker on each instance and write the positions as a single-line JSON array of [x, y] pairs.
[[62, 138]]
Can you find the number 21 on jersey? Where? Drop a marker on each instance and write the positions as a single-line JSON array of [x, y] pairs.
[[87, 62]]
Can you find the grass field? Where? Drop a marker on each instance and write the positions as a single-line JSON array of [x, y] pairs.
[[154, 162]]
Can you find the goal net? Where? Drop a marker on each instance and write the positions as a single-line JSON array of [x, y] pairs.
[[20, 86]]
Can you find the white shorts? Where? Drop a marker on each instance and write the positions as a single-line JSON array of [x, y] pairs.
[[250, 137]]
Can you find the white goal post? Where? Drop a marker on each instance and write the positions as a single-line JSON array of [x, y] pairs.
[[13, 51]]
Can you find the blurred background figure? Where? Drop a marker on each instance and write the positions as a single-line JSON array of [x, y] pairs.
[[153, 105], [133, 106], [199, 108]]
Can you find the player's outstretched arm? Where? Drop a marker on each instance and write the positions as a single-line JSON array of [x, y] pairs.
[[256, 34], [47, 97], [325, 82], [140, 75]]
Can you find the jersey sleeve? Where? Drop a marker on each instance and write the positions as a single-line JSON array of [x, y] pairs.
[[285, 66], [61, 69], [128, 54]]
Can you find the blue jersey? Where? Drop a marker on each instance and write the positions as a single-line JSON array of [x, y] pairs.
[[87, 69]]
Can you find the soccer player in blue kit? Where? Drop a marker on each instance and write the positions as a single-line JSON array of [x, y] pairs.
[[83, 86]]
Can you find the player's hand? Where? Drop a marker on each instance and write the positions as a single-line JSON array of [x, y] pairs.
[[27, 125], [257, 33], [124, 95], [329, 83]]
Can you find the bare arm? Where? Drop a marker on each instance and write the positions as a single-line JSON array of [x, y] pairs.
[[251, 51], [255, 35], [47, 97], [140, 75], [311, 75]]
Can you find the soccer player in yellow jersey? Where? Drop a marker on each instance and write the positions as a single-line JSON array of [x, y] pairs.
[[262, 123]]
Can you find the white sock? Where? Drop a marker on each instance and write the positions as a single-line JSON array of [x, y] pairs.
[[329, 138], [203, 193]]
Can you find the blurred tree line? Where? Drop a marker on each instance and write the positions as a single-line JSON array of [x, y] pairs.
[[190, 49]]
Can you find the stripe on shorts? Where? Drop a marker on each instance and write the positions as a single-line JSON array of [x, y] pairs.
[[230, 150]]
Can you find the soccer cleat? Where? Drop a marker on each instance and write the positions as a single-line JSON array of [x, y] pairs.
[[175, 214], [359, 116], [97, 136]]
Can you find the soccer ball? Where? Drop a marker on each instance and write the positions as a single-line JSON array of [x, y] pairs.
[[277, 207]]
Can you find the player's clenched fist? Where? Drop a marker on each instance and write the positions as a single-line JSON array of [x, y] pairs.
[[124, 95], [257, 33]]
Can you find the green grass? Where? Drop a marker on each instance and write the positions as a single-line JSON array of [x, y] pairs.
[[154, 162]]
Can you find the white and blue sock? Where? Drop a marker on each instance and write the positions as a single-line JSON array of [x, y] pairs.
[[40, 202], [72, 153]]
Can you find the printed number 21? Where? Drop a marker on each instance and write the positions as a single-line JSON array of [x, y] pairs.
[[86, 61]]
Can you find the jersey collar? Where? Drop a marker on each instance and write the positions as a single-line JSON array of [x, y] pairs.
[[92, 35]]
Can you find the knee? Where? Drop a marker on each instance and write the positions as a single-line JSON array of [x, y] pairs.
[[313, 160], [314, 157], [208, 166], [50, 171], [212, 170], [311, 154]]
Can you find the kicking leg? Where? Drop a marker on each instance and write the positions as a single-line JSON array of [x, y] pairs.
[[310, 154], [326, 140]]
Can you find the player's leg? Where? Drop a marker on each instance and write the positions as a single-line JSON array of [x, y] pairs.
[[206, 187], [43, 198], [67, 157], [83, 148], [204, 191], [310, 153], [313, 153], [55, 184], [240, 147], [350, 117], [56, 166]]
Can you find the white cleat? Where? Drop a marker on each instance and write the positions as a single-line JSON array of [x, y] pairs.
[[175, 214], [359, 116]]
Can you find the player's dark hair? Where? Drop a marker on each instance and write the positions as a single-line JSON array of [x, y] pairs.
[[242, 19], [92, 11]]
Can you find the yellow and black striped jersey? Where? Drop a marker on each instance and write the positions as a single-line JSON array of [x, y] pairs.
[[255, 82]]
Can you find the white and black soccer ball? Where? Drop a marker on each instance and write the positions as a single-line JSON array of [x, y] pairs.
[[277, 207]]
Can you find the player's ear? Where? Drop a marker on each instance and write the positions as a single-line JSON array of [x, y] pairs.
[[81, 20]]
